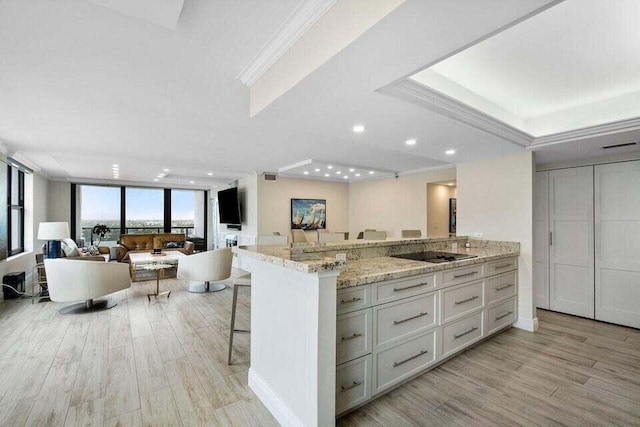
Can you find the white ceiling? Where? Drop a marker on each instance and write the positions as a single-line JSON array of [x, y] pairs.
[[572, 66], [83, 87], [331, 171]]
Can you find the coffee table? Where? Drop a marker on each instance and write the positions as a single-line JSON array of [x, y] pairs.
[[138, 259]]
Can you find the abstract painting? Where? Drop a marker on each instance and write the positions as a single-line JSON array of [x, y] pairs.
[[308, 214], [453, 211]]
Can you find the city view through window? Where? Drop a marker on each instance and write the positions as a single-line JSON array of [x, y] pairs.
[[144, 212]]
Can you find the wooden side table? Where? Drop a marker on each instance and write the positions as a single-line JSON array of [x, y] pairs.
[[159, 268]]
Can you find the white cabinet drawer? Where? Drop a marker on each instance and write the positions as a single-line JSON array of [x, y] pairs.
[[352, 299], [398, 363], [501, 315], [501, 266], [353, 383], [395, 320], [461, 333], [501, 287], [460, 300], [402, 288], [464, 274], [353, 335]]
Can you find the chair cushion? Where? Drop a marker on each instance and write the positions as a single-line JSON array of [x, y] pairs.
[[70, 248]]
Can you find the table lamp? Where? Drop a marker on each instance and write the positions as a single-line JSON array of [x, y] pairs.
[[53, 233]]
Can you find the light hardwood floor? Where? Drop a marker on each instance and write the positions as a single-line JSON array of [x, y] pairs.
[[573, 372], [140, 363], [164, 363]]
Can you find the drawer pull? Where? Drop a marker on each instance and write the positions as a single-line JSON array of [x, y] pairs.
[[466, 300], [350, 386], [352, 300], [354, 336], [504, 287], [456, 276], [409, 287], [503, 265], [397, 322], [456, 336], [502, 316], [402, 362]]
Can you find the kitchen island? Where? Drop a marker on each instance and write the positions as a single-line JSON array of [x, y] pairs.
[[328, 335]]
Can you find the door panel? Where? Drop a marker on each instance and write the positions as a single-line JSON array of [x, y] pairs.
[[541, 240], [617, 238], [571, 260]]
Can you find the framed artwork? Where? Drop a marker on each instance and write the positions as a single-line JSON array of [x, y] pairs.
[[452, 216], [308, 214]]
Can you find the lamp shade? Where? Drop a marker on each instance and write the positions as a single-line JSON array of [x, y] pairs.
[[53, 231]]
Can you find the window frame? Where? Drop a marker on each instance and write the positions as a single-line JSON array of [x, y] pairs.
[[13, 207]]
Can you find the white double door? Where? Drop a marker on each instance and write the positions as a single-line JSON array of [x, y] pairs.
[[587, 246]]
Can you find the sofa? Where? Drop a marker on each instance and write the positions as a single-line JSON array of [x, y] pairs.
[[147, 242]]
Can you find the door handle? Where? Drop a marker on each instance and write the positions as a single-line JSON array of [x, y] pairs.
[[551, 238]]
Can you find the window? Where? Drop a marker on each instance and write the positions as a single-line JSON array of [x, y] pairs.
[[99, 205], [145, 210], [187, 212], [15, 214]]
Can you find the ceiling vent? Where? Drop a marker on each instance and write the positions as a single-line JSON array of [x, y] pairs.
[[626, 144], [270, 176]]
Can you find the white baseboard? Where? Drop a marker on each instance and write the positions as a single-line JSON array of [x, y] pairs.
[[281, 412], [530, 325]]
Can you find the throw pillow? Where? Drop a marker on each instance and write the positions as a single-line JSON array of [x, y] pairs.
[[174, 245], [70, 248]]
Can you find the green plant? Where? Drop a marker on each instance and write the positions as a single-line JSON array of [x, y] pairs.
[[101, 231]]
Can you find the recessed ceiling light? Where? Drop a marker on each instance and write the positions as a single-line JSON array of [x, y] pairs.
[[326, 174], [410, 142], [329, 167], [450, 184], [165, 170], [317, 169], [370, 172], [338, 173], [192, 182], [358, 128], [345, 177], [210, 173], [306, 172], [351, 169], [115, 166], [155, 179], [160, 176], [357, 174], [450, 152]]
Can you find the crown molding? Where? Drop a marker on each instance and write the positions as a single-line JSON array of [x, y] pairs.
[[426, 97], [587, 132], [294, 27]]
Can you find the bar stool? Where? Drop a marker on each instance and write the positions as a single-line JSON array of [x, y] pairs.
[[242, 281]]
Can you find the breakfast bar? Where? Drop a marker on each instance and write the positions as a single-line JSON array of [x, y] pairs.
[[339, 324]]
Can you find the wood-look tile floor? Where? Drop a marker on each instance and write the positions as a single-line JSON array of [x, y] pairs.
[[573, 372], [140, 363], [164, 363]]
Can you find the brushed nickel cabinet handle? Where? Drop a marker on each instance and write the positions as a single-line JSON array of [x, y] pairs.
[[350, 386], [402, 362], [503, 265], [354, 336], [397, 322], [409, 287], [352, 300], [466, 300], [475, 328], [504, 287], [455, 276], [502, 316]]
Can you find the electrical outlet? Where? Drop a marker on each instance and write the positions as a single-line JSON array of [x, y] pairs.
[[477, 235], [341, 257], [454, 246]]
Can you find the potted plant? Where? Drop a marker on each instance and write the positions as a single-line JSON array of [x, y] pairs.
[[101, 231]]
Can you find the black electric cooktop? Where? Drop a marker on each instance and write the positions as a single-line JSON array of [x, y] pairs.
[[434, 257]]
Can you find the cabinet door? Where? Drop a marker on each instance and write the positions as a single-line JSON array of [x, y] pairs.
[[541, 240], [571, 277], [617, 248]]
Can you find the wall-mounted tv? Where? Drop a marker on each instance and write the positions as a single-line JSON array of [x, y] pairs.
[[229, 206]]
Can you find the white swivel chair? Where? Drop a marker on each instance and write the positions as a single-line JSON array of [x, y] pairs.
[[272, 240], [298, 236], [330, 237], [206, 267], [374, 235], [73, 280]]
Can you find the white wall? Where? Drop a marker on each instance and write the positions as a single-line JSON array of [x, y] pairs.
[[495, 198], [438, 196], [274, 201], [59, 201], [393, 204]]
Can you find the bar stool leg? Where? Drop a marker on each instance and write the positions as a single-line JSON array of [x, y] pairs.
[[233, 322]]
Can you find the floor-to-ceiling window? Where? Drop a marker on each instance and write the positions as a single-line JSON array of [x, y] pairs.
[[144, 210], [99, 205]]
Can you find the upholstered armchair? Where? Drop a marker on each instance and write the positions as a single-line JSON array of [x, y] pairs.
[[206, 267], [73, 280]]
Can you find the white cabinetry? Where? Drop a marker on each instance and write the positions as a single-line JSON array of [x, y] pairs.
[[391, 331]]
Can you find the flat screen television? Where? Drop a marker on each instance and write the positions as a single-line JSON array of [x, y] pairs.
[[229, 206]]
